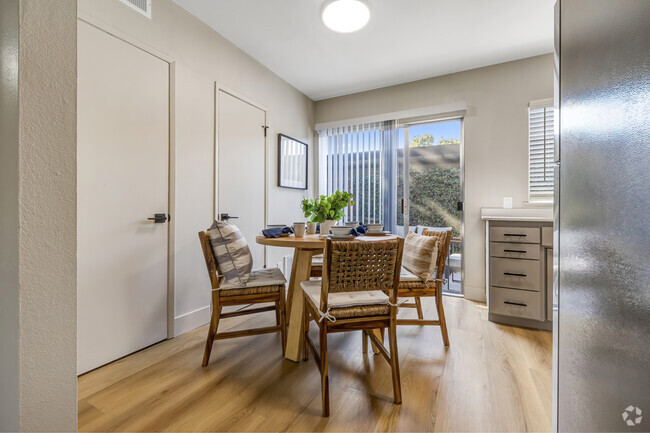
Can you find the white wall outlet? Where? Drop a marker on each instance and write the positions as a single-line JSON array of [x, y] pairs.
[[507, 202]]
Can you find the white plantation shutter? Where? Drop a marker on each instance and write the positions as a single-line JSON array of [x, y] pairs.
[[540, 150]]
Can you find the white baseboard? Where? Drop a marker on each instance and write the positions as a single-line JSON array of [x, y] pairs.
[[192, 320]]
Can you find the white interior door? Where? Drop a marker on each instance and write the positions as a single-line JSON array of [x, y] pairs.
[[241, 168], [123, 159]]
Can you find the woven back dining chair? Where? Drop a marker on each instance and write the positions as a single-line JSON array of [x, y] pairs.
[[411, 287], [264, 285], [352, 297]]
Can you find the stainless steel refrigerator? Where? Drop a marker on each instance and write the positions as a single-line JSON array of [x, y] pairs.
[[601, 335]]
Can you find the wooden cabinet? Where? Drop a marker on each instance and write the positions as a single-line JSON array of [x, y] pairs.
[[518, 269]]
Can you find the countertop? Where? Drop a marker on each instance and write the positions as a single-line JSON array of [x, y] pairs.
[[518, 214]]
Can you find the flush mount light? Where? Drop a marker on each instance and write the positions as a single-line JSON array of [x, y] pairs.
[[345, 16]]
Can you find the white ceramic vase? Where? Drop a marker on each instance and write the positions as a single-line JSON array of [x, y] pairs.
[[325, 227]]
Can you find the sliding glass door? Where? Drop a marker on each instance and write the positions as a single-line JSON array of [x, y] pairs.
[[430, 186], [407, 175]]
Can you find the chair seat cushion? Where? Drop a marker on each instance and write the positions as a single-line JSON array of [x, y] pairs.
[[349, 304], [258, 278]]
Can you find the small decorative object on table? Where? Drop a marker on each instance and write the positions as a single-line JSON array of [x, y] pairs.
[[326, 210]]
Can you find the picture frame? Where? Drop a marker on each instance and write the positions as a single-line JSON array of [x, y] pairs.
[[293, 166]]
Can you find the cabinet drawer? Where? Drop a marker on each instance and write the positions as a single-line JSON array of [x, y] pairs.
[[516, 303], [514, 273], [514, 251], [526, 235]]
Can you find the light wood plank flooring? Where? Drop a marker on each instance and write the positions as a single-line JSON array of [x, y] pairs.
[[492, 378]]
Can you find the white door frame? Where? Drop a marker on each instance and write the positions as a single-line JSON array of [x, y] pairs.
[[218, 87], [89, 19]]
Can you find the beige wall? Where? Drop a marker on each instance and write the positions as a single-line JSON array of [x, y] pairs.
[[202, 58], [38, 216], [495, 132]]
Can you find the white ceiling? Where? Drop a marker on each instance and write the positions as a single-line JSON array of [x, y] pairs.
[[405, 40]]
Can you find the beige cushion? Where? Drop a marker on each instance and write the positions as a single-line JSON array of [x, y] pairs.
[[420, 254], [344, 299], [406, 275], [258, 278]]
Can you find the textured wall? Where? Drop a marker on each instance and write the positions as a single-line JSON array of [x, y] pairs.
[[47, 236], [204, 57], [496, 135], [9, 289]]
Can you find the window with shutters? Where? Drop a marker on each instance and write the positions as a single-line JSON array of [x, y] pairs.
[[541, 138]]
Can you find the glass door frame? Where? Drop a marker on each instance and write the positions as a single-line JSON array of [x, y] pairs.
[[405, 205]]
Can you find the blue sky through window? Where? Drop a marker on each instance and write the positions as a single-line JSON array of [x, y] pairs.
[[446, 129]]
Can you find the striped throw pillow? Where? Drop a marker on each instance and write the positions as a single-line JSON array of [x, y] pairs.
[[420, 254], [234, 258]]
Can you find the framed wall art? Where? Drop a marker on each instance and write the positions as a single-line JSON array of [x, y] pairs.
[[292, 163]]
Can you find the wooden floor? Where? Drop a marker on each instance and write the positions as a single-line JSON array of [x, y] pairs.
[[491, 378]]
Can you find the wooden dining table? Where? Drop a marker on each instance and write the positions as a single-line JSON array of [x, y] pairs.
[[304, 249]]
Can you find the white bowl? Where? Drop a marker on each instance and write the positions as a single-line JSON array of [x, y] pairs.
[[341, 230], [375, 227]]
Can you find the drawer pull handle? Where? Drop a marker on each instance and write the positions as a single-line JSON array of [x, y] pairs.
[[520, 304], [513, 234], [513, 274], [515, 251]]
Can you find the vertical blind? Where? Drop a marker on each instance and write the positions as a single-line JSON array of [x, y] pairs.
[[361, 160], [540, 149]]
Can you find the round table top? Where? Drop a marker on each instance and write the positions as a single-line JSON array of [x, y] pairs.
[[309, 241]]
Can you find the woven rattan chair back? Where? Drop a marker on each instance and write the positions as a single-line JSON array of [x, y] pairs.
[[352, 266], [355, 266]]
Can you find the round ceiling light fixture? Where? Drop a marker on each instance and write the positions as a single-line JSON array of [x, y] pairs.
[[345, 16]]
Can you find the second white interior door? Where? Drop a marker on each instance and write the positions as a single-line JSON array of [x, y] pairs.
[[241, 168]]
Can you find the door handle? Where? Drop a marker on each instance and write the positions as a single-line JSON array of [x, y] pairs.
[[513, 274], [158, 218], [226, 217], [515, 251]]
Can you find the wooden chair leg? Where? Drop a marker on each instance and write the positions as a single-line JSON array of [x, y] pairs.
[[364, 342], [283, 320], [394, 361], [441, 317], [379, 333], [418, 307], [305, 345], [277, 312], [325, 387], [212, 330]]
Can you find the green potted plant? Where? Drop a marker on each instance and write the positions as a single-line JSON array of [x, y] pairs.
[[327, 209]]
